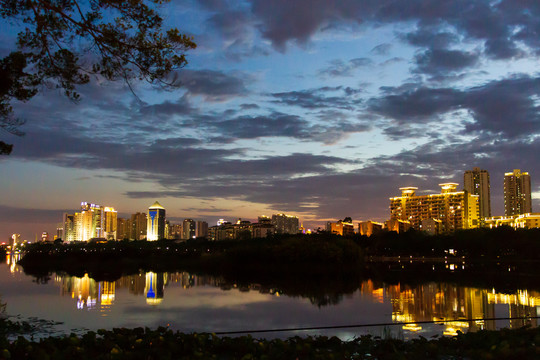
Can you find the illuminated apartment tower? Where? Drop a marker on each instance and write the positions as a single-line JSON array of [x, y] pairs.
[[285, 224], [92, 218], [476, 182], [517, 193], [454, 209], [110, 224], [155, 228]]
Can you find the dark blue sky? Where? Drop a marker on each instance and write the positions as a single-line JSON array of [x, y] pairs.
[[317, 108]]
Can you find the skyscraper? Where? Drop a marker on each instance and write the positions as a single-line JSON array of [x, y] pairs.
[[110, 224], [155, 230], [517, 193], [138, 225], [476, 182], [188, 229], [202, 229]]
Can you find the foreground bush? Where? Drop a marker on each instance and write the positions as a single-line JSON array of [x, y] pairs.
[[164, 344]]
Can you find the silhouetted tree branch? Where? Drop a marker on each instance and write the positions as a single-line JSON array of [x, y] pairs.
[[64, 42]]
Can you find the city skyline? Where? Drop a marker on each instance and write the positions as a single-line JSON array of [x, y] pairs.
[[320, 109], [476, 184]]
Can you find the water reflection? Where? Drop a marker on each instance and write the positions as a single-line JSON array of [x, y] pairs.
[[206, 303], [447, 303], [428, 302]]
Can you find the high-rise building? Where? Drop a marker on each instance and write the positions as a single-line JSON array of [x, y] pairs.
[[285, 224], [155, 230], [138, 224], [94, 212], [188, 229], [123, 229], [69, 227], [59, 231], [110, 227], [455, 209], [517, 193], [476, 182], [202, 229]]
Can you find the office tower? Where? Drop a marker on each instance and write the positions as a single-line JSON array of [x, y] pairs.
[[188, 229], [138, 226], [517, 193], [476, 182], [202, 229], [155, 230], [285, 224], [455, 209], [110, 226]]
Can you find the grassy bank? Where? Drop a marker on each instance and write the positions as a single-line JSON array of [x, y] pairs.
[[162, 344]]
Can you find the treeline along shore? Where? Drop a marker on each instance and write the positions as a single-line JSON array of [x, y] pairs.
[[501, 257]]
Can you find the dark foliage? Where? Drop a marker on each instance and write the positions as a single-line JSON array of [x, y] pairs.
[[65, 42], [162, 343]]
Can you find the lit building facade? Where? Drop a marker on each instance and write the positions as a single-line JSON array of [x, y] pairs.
[[188, 229], [341, 227], [455, 209], [110, 225], [476, 182], [84, 225], [369, 227], [285, 224], [93, 221], [155, 228], [517, 193], [522, 221]]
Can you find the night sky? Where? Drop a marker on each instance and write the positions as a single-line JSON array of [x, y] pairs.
[[317, 108]]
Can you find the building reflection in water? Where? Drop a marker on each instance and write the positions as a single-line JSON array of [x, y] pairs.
[[447, 303], [457, 308]]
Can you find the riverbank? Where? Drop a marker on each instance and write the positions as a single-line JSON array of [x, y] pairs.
[[162, 343]]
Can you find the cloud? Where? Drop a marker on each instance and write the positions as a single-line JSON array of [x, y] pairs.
[[382, 49], [316, 98], [438, 62], [430, 37], [213, 86], [339, 68], [507, 107]]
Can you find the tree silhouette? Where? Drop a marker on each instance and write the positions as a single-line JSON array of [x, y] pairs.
[[63, 43]]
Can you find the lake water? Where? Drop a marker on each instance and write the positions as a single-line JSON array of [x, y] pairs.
[[206, 304]]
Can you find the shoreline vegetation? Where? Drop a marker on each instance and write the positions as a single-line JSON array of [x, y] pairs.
[[163, 343]]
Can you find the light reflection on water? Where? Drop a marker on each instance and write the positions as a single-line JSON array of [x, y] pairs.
[[192, 303]]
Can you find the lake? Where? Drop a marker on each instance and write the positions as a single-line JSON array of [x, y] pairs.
[[191, 303]]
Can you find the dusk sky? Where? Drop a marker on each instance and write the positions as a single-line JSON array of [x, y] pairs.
[[316, 108]]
